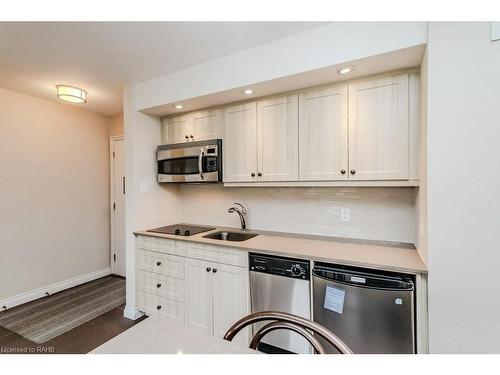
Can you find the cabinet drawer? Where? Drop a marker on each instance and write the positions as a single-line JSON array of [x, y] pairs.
[[233, 257], [153, 304], [163, 264], [162, 286], [161, 245], [201, 251]]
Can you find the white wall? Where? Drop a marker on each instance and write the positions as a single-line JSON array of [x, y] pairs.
[[463, 188], [376, 213], [116, 126], [421, 220], [54, 193], [150, 209], [329, 45]]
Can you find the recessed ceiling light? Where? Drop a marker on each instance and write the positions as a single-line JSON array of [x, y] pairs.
[[178, 106], [248, 91], [71, 94], [346, 70]]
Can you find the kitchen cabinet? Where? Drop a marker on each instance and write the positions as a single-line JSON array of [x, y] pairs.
[[261, 140], [240, 143], [277, 132], [216, 296], [323, 143], [199, 288], [194, 126], [230, 300], [379, 128], [200, 285]]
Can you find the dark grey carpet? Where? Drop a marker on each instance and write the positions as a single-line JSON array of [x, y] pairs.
[[48, 317]]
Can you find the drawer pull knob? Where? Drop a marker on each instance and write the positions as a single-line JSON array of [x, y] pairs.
[[353, 171], [158, 285], [158, 307], [208, 269], [158, 263], [342, 171], [214, 270]]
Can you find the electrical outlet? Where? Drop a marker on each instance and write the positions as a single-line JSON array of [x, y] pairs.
[[345, 215]]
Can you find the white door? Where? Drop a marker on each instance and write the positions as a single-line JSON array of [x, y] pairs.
[[177, 130], [207, 124], [323, 134], [278, 132], [118, 205], [198, 294], [378, 129], [230, 300], [240, 143]]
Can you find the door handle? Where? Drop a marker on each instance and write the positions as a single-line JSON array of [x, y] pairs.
[[200, 165], [123, 184]]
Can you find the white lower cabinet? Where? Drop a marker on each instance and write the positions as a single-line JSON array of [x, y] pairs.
[[216, 297], [208, 288], [230, 300], [199, 310]]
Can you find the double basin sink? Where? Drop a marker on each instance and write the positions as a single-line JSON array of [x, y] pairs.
[[230, 236]]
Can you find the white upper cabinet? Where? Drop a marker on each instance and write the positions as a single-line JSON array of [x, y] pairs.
[[240, 143], [323, 134], [176, 129], [195, 126], [207, 124], [378, 129], [278, 136], [366, 130]]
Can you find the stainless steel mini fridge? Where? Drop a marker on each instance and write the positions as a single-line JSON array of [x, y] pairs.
[[372, 312]]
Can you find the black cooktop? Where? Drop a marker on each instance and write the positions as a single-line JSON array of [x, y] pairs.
[[181, 229]]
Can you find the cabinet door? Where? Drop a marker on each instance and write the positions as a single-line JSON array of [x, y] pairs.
[[278, 133], [378, 129], [323, 134], [231, 300], [176, 130], [207, 124], [198, 295], [240, 143]]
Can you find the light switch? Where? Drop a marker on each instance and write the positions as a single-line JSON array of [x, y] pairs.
[[144, 186], [345, 215]]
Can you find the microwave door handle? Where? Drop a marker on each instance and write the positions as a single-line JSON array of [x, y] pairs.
[[200, 166]]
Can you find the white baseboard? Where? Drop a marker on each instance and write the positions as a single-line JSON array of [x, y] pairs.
[[53, 288], [132, 313]]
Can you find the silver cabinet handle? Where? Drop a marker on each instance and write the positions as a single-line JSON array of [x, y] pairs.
[[200, 166]]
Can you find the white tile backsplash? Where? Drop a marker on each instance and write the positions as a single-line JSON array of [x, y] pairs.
[[375, 213]]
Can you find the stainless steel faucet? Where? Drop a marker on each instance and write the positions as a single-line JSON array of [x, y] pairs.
[[241, 213]]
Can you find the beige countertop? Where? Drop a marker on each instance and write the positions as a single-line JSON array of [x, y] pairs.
[[392, 256], [160, 335]]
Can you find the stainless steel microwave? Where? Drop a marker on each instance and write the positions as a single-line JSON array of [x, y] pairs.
[[190, 162]]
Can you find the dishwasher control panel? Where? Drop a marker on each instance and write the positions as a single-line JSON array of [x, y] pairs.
[[274, 265]]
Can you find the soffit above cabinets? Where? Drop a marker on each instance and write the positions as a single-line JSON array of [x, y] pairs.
[[392, 61]]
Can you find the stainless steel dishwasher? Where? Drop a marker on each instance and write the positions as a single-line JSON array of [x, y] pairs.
[[280, 284], [371, 311]]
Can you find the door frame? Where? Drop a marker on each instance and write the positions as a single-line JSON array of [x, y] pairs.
[[112, 139]]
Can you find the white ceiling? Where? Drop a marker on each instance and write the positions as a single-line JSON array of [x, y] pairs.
[[100, 56]]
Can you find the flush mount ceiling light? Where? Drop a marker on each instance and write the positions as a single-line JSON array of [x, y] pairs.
[[178, 106], [71, 94], [346, 70], [248, 91]]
